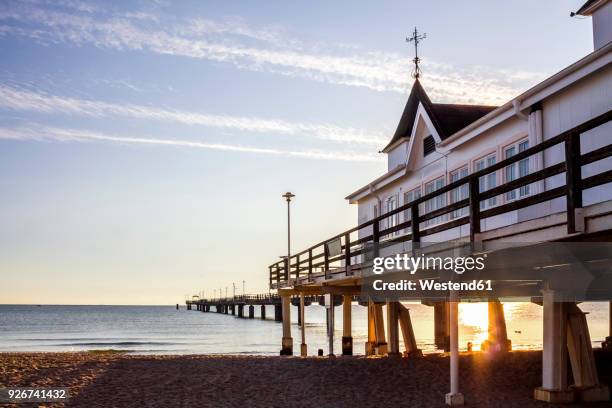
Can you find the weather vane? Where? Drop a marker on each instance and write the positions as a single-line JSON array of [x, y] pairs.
[[416, 38]]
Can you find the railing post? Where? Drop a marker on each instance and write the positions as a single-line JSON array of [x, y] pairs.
[[414, 223], [270, 268], [310, 264], [286, 268], [375, 238], [347, 252], [474, 208], [297, 267], [326, 258], [573, 177]]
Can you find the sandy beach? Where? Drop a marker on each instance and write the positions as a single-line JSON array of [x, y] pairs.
[[122, 380]]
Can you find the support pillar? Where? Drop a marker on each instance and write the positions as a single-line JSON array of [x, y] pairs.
[[376, 345], [233, 307], [330, 323], [251, 312], [497, 340], [454, 397], [370, 346], [240, 310], [554, 354], [303, 347], [441, 325], [263, 312], [584, 371], [392, 329], [287, 342], [408, 332], [347, 336], [278, 313]]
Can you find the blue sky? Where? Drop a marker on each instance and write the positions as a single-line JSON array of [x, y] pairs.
[[144, 146]]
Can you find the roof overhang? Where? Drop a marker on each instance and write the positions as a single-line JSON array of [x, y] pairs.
[[590, 7]]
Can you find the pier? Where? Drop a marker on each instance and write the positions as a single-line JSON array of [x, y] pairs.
[[333, 271], [340, 264], [244, 305]]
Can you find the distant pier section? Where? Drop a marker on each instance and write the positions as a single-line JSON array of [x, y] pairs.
[[244, 305]]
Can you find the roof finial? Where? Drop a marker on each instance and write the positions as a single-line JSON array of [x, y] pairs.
[[416, 38]]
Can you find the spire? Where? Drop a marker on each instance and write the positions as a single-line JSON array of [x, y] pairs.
[[416, 39]]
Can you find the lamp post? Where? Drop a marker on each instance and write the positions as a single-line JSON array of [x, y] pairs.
[[288, 196], [243, 288]]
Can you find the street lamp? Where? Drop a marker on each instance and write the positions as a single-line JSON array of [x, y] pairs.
[[288, 196], [243, 288]]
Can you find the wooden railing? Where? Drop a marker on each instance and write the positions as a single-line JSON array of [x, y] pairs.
[[342, 248]]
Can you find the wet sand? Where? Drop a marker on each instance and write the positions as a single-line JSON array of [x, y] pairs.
[[123, 380]]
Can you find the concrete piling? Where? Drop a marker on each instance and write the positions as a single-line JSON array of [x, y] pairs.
[[278, 313], [497, 340], [287, 341], [347, 336], [303, 347]]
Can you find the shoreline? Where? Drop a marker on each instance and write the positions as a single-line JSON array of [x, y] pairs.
[[124, 379]]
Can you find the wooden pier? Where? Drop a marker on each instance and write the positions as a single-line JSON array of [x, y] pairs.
[[244, 305]]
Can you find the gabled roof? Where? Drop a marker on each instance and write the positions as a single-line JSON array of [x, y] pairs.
[[453, 118], [589, 7], [446, 118]]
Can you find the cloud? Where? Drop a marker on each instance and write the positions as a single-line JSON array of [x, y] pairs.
[[42, 133], [24, 100], [261, 49]]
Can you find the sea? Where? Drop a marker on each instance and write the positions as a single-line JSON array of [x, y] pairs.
[[165, 330]]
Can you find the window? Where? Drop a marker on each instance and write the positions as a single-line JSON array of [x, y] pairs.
[[429, 145], [436, 202], [391, 203], [517, 170], [409, 197], [487, 181], [459, 193]]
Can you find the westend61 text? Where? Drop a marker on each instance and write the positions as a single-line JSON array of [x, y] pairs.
[[431, 284], [459, 264]]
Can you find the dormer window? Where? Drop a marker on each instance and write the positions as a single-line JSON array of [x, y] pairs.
[[429, 145]]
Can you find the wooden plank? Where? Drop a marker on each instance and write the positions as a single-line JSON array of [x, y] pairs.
[[375, 238], [573, 179], [524, 202], [474, 208], [522, 181], [347, 251], [446, 226], [310, 263], [415, 221], [444, 210], [597, 180], [597, 154]]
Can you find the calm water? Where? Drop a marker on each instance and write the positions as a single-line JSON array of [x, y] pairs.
[[164, 330]]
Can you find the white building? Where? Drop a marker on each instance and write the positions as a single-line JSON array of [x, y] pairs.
[[436, 144]]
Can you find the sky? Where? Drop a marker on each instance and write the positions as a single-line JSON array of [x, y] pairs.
[[145, 145]]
